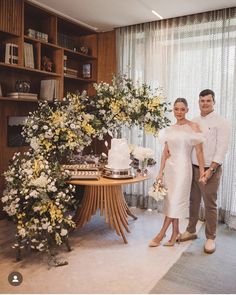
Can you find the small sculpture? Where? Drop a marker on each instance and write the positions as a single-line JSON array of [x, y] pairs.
[[22, 86], [83, 49], [47, 64]]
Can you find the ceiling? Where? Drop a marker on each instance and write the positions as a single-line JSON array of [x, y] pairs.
[[105, 15]]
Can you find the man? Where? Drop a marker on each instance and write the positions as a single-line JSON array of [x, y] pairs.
[[216, 130]]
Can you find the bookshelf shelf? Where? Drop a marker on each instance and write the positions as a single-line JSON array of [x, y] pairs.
[[27, 38], [17, 100], [77, 54], [20, 68], [79, 79]]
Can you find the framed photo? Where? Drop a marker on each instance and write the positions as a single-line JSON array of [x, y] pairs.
[[87, 71], [14, 129]]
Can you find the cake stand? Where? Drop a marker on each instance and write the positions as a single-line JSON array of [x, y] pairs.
[[117, 173]]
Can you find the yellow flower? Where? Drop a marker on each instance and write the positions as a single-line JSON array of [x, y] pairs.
[[122, 117], [150, 129], [115, 107], [58, 117], [70, 135], [58, 239], [36, 167], [47, 144], [57, 131], [43, 209], [89, 129], [55, 212]]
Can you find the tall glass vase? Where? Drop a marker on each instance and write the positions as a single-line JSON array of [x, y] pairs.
[[143, 167]]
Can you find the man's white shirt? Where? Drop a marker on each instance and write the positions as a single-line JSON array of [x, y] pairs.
[[216, 130]]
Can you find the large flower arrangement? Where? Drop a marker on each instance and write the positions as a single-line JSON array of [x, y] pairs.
[[125, 103], [37, 196], [56, 130], [38, 199]]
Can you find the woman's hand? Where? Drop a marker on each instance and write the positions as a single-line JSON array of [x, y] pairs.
[[159, 177]]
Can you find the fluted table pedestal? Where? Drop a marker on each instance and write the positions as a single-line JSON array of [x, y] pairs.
[[106, 195]]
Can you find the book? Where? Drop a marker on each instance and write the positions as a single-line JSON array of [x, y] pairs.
[[8, 53], [28, 55], [65, 63], [71, 72], [11, 53], [14, 57]]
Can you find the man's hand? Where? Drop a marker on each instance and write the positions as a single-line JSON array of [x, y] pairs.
[[206, 176]]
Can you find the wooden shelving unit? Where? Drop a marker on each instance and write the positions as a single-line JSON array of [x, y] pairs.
[[64, 38], [16, 17]]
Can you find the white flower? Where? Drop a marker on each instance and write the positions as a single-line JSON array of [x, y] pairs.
[[48, 134], [45, 225], [22, 232], [5, 198], [41, 181], [142, 153], [64, 232], [157, 191], [53, 188], [40, 246], [34, 143], [132, 147], [9, 179], [34, 194]]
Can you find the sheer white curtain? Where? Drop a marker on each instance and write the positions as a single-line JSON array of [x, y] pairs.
[[184, 56]]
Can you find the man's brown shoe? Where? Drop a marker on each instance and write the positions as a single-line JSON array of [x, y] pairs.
[[187, 236], [210, 246]]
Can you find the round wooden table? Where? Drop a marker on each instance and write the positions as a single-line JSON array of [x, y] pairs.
[[107, 195]]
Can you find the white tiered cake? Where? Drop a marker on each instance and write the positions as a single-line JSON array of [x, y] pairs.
[[119, 154]]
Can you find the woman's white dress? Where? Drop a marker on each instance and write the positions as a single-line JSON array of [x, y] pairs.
[[178, 169]]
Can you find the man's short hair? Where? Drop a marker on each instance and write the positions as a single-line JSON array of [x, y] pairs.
[[207, 92]]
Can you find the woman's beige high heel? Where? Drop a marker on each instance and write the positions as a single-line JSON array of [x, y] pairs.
[[153, 243], [172, 243]]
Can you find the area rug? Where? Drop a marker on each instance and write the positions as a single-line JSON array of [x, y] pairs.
[[197, 272], [99, 263]]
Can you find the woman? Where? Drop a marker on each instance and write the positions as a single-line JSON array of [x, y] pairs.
[[179, 140]]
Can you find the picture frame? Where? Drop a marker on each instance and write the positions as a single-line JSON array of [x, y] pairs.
[[87, 71], [14, 129]]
